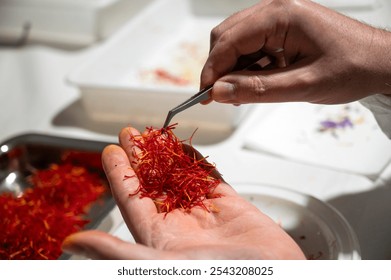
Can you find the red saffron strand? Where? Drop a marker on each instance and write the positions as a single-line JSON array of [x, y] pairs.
[[170, 176]]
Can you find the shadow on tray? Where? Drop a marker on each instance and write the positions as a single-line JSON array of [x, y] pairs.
[[75, 116]]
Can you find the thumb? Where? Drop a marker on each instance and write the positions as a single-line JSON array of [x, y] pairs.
[[278, 85], [100, 245]]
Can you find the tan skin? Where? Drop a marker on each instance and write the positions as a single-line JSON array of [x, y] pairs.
[[234, 229], [327, 58]]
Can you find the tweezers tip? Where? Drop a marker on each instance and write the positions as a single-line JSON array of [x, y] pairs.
[[168, 119]]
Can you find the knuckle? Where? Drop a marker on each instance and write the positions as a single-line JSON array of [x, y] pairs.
[[250, 89], [257, 88], [222, 37], [215, 33]]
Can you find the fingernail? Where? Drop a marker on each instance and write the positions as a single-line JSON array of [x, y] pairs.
[[223, 91]]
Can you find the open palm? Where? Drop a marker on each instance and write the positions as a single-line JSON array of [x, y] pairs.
[[233, 229]]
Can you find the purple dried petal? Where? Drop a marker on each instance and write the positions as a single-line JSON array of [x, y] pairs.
[[328, 124], [345, 123]]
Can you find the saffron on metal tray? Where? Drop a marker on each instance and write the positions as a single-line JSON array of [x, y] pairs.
[[170, 173], [34, 225]]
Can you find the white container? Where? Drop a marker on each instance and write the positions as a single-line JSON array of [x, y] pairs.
[[317, 227], [119, 83], [65, 22]]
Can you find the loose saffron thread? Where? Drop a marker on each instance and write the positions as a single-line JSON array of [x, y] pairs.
[[171, 176], [34, 225]]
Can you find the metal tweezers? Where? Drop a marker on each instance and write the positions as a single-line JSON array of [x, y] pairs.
[[203, 95]]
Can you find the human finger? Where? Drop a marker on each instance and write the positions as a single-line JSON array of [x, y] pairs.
[[228, 23], [126, 140], [268, 30], [234, 19], [277, 85], [124, 185], [99, 245]]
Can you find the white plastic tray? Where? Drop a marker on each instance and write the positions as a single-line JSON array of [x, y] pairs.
[[118, 83], [65, 22], [304, 133]]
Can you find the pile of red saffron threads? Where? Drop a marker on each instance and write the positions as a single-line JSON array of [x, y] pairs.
[[34, 225], [172, 177]]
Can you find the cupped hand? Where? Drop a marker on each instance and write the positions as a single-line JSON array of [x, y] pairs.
[[233, 229], [320, 56]]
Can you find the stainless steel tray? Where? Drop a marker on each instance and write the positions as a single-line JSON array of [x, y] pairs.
[[24, 153]]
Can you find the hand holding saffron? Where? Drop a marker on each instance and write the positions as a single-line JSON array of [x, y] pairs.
[[232, 229]]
